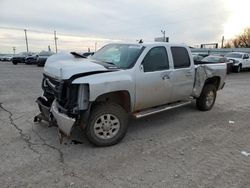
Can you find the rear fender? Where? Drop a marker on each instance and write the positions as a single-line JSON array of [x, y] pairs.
[[208, 75]]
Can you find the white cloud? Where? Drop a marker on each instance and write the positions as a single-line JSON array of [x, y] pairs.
[[192, 21]]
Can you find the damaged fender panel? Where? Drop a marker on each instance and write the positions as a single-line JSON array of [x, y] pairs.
[[200, 79], [203, 72], [100, 84]]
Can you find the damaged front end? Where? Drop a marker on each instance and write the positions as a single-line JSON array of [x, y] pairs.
[[59, 104]]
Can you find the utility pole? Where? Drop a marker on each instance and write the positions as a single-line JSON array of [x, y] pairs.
[[164, 35], [55, 38], [222, 42], [95, 46], [26, 39], [14, 50]]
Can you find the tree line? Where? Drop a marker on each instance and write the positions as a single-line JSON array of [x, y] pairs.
[[240, 41]]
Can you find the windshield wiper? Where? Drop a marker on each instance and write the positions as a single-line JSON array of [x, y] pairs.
[[111, 63]]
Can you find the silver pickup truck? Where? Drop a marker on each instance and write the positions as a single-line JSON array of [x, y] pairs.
[[101, 92]]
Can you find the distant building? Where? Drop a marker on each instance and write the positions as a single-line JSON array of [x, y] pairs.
[[161, 39]]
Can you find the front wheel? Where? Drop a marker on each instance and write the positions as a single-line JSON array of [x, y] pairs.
[[207, 98], [238, 68], [107, 124]]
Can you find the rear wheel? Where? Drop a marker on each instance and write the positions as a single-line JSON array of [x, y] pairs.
[[207, 98], [14, 63], [107, 124]]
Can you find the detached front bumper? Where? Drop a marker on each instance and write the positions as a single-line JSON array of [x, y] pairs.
[[50, 113], [64, 122]]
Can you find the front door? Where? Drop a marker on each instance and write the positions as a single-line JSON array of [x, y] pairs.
[[153, 80]]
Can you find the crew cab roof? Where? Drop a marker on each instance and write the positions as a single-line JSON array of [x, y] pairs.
[[152, 44]]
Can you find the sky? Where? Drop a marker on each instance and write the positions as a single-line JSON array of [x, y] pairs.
[[82, 24]]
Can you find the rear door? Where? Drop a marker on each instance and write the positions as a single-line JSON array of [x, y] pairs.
[[182, 75], [153, 84]]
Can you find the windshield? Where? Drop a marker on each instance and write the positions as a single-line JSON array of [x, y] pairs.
[[234, 55], [213, 59], [121, 55]]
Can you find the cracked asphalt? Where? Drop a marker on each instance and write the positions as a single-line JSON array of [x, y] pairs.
[[179, 148]]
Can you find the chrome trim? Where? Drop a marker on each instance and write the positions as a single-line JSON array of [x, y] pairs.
[[50, 84]]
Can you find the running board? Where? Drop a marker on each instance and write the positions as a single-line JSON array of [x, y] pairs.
[[156, 110]]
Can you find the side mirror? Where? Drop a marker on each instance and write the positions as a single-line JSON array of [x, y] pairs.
[[141, 67]]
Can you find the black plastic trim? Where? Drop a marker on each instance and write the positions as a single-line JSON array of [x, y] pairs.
[[72, 78]]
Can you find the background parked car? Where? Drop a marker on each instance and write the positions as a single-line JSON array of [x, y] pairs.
[[42, 57], [240, 60], [5, 57], [217, 59], [197, 58], [31, 59], [21, 57], [203, 54]]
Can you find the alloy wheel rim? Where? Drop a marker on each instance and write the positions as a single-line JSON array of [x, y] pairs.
[[106, 126], [210, 98]]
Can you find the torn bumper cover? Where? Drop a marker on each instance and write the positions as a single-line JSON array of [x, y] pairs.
[[64, 122], [50, 113]]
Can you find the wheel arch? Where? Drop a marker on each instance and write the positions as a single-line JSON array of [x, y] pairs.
[[214, 80], [121, 97]]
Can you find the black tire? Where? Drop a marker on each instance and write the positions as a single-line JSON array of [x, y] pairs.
[[40, 65], [204, 103], [238, 68], [14, 63], [100, 111]]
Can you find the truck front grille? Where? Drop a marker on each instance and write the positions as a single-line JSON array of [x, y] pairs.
[[64, 92]]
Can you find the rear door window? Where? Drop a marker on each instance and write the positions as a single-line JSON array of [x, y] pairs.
[[180, 57]]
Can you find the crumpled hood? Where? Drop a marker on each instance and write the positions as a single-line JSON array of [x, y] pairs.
[[64, 65]]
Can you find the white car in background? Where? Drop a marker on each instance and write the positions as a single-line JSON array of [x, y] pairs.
[[241, 60]]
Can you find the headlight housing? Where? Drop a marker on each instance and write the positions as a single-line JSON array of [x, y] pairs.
[[236, 61]]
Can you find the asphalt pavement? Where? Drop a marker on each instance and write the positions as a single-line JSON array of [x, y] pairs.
[[179, 148]]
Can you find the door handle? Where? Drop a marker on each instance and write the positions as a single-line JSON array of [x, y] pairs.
[[165, 77], [188, 73]]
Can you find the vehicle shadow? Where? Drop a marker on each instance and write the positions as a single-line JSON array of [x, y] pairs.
[[138, 128], [141, 126]]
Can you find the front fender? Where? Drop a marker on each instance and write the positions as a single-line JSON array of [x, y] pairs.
[[103, 83]]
